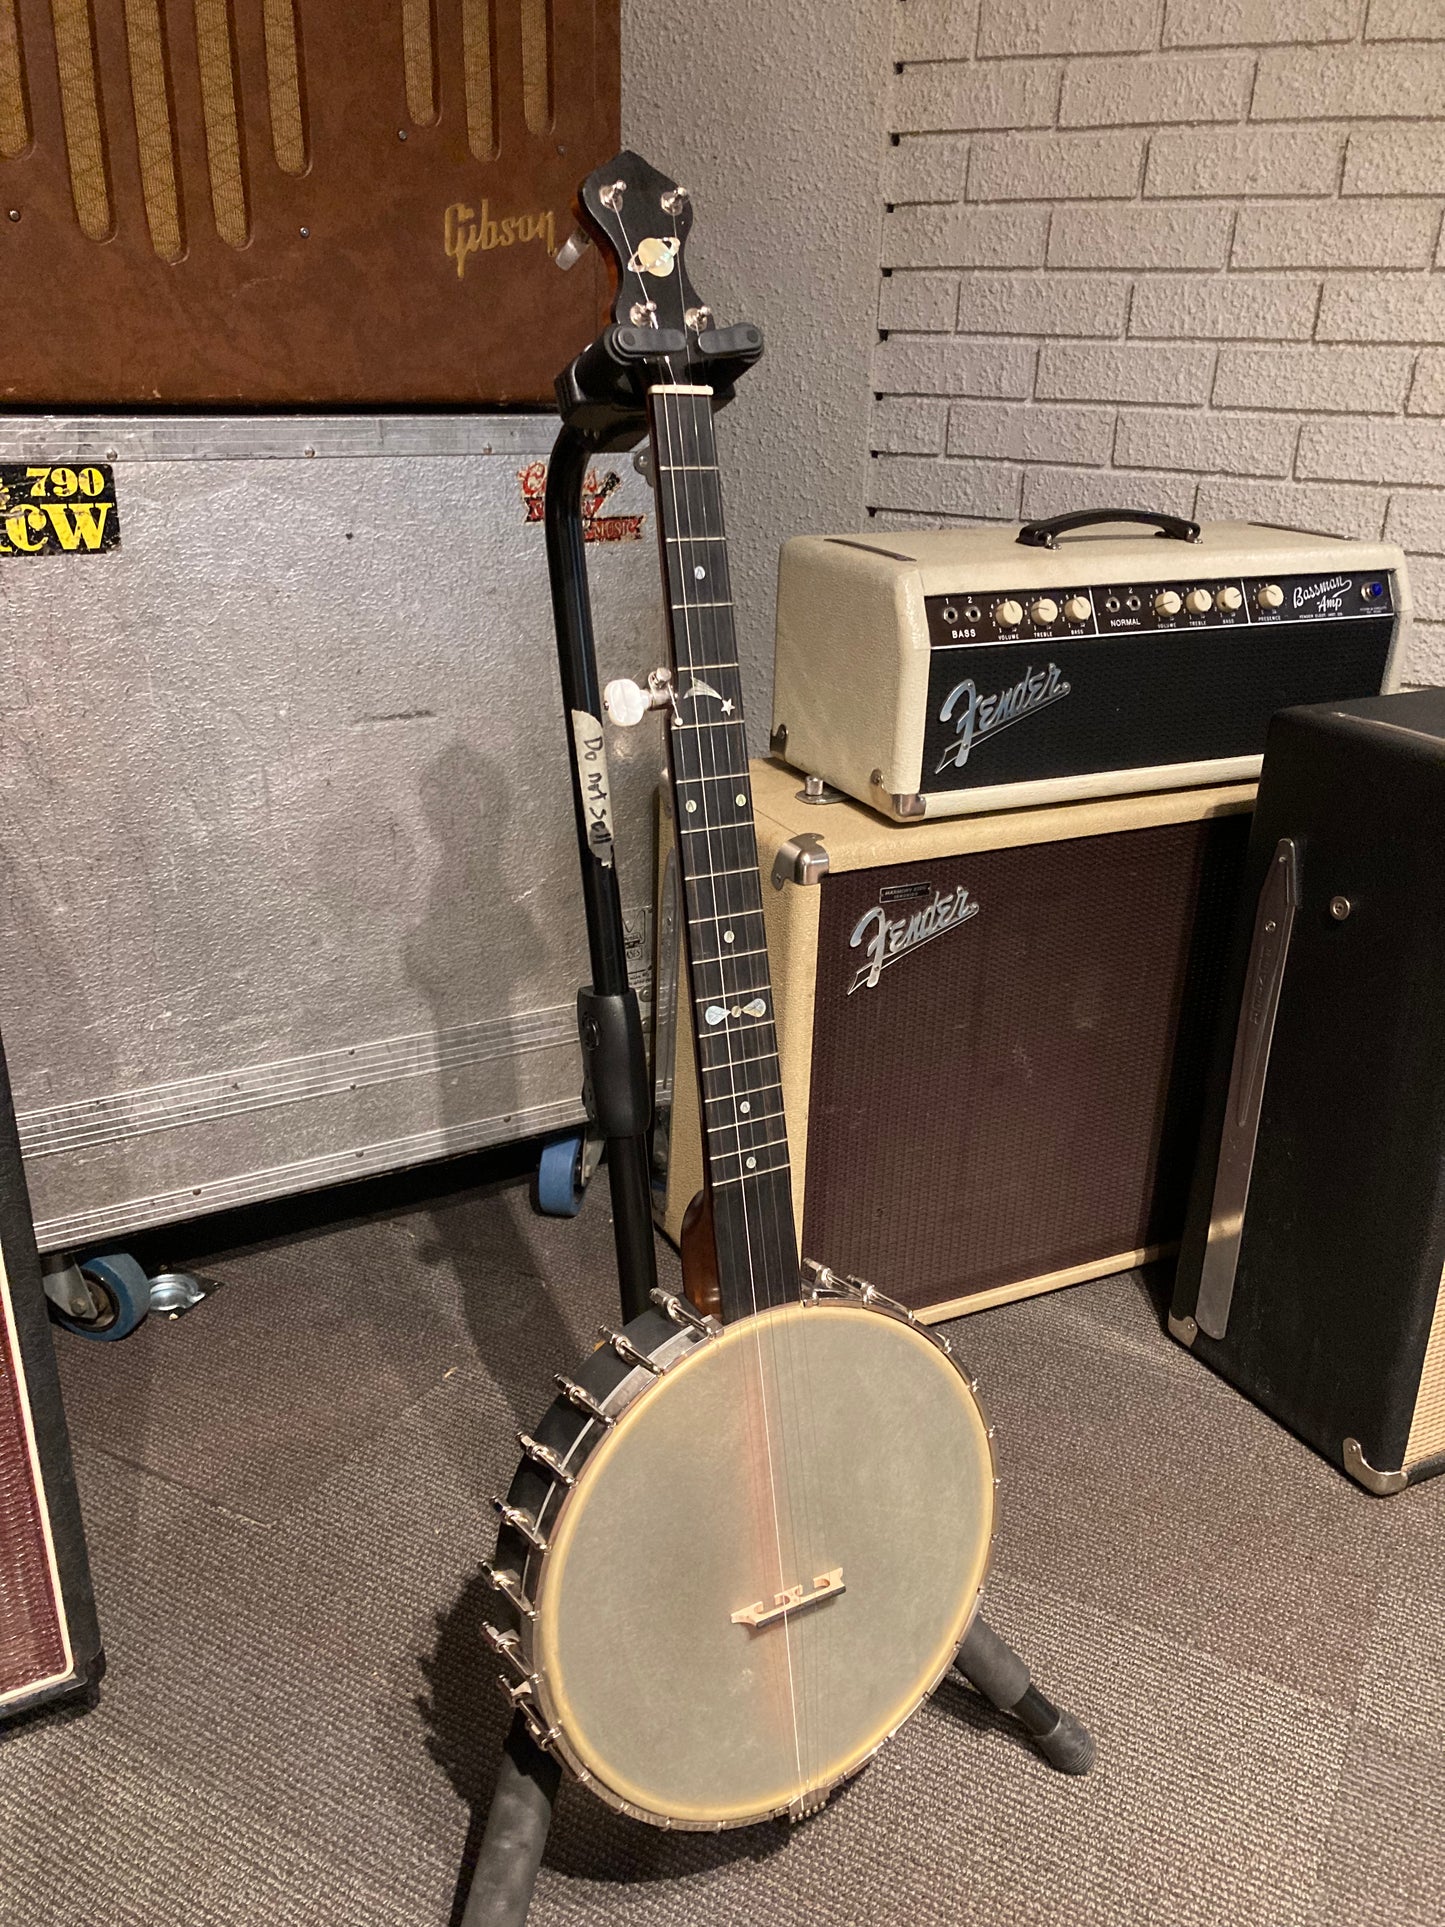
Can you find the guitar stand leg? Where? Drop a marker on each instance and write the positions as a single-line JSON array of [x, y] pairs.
[[517, 1826], [1001, 1676]]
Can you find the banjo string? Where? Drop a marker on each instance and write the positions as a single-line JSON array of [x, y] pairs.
[[671, 414]]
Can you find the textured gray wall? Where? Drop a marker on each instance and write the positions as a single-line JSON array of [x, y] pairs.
[[1183, 254], [771, 113]]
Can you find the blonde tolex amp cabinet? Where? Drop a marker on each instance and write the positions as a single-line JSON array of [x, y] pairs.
[[993, 1032]]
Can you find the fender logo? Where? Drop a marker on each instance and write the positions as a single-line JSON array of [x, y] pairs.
[[885, 939], [981, 716], [466, 232]]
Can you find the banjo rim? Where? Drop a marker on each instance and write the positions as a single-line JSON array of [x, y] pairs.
[[632, 1396]]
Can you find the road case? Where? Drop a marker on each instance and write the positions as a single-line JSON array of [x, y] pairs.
[[290, 891]]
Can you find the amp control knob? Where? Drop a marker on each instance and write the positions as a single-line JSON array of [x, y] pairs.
[[1167, 603], [1269, 595], [1008, 614], [1078, 608], [1199, 602], [1045, 610], [1229, 599]]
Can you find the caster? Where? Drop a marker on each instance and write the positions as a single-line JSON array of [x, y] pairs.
[[564, 1172], [108, 1296]]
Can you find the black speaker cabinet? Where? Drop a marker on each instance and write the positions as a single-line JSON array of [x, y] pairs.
[[1310, 1273], [49, 1643]]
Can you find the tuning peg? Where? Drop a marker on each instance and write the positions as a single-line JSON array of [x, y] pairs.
[[573, 249], [627, 702]]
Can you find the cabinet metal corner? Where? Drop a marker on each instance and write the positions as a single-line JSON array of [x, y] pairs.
[[1382, 1484], [802, 859]]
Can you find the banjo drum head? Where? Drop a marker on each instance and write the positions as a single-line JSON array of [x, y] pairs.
[[824, 1454]]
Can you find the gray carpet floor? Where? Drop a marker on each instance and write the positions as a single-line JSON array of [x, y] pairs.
[[286, 1498]]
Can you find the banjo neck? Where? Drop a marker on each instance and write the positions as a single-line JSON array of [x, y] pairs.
[[745, 1150]]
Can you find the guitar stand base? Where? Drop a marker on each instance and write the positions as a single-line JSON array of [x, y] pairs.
[[996, 1670], [527, 1779], [518, 1822]]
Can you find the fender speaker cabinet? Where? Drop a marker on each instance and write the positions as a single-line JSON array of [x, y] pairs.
[[297, 202], [969, 669], [1311, 1271], [49, 1642], [993, 1033]]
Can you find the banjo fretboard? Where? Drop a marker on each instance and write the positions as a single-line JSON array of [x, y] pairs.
[[745, 1151]]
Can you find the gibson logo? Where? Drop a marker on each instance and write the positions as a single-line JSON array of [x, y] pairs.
[[465, 232], [975, 717], [885, 939]]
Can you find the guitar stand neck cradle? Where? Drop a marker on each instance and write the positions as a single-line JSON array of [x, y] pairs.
[[762, 1619]]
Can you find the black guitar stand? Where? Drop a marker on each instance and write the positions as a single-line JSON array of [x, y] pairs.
[[603, 412]]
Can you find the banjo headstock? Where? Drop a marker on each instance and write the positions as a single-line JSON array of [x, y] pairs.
[[642, 220]]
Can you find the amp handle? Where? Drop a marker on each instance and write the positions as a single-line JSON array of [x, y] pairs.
[[1044, 535]]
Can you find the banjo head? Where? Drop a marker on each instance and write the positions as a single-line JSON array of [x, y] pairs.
[[763, 1566]]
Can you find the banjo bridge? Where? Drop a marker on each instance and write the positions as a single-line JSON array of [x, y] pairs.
[[825, 1584]]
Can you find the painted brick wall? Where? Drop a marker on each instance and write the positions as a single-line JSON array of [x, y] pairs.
[[1181, 254]]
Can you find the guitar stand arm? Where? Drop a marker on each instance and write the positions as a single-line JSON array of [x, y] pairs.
[[517, 1826], [987, 1663]]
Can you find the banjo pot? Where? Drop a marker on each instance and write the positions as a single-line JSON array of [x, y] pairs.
[[706, 1638], [738, 1552]]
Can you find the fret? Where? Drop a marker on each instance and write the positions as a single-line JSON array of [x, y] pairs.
[[753, 1146], [726, 956], [687, 468], [756, 1132], [740, 778], [728, 1097], [762, 1170], [729, 1165], [738, 1060], [694, 538], [726, 916], [714, 899], [752, 1127]]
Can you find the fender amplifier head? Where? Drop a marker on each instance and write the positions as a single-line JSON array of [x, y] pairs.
[[968, 669], [1312, 1272], [992, 1033]]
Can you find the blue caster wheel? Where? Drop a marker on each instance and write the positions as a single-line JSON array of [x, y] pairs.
[[122, 1294], [561, 1184]]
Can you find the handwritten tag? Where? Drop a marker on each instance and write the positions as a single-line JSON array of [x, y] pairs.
[[589, 746]]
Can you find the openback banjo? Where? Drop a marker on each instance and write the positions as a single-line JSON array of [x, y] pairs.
[[738, 1552]]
